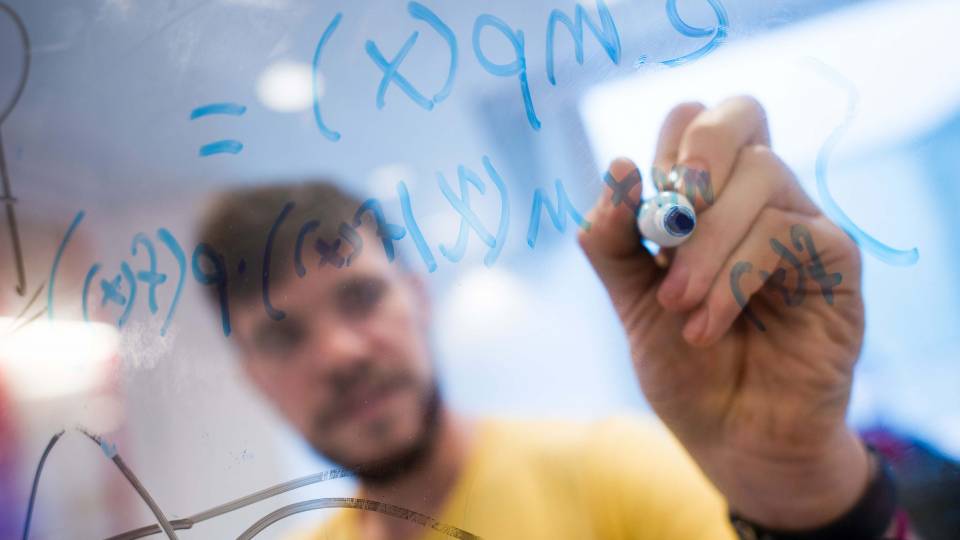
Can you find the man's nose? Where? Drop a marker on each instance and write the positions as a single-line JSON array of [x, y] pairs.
[[339, 346]]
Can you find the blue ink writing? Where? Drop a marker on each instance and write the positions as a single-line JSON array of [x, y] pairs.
[[218, 278], [86, 290], [388, 232], [516, 68], [305, 229], [887, 254], [419, 11], [414, 229], [225, 146], [802, 241], [171, 243], [608, 36], [390, 73], [272, 312], [719, 32], [151, 277], [391, 69], [558, 216], [331, 135]]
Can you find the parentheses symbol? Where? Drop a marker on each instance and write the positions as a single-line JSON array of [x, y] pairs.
[[171, 243], [331, 135], [86, 290], [132, 297]]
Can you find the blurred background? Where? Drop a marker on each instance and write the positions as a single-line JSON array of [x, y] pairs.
[[103, 126]]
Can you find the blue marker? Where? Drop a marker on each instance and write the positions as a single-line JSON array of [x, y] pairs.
[[667, 219]]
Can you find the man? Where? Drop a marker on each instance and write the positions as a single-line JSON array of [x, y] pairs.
[[755, 396]]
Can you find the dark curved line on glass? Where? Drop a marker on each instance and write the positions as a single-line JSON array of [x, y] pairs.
[[236, 504], [360, 504], [25, 71], [8, 198], [127, 473], [30, 302], [36, 483]]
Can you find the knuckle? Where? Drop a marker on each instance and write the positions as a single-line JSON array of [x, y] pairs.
[[761, 158], [705, 133], [772, 221], [701, 279]]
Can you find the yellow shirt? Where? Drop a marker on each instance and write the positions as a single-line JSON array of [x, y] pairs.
[[619, 479]]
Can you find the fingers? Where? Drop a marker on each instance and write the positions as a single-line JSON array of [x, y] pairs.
[[612, 243], [759, 179], [795, 255], [700, 160], [671, 134]]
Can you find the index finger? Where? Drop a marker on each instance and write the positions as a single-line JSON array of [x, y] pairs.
[[703, 157]]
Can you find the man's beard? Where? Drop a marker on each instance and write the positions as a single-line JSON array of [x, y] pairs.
[[390, 468]]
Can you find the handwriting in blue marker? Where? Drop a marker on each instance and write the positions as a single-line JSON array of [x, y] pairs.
[[603, 28], [387, 232], [272, 312], [803, 261], [305, 229], [558, 217], [620, 191], [329, 252], [150, 277], [324, 130], [224, 146], [353, 239], [887, 254], [167, 239], [217, 277], [469, 220], [517, 68], [391, 68], [390, 73], [122, 288], [415, 233], [718, 33], [85, 293], [112, 292], [421, 12], [608, 36]]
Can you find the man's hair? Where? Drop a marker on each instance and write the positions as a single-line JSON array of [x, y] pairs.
[[237, 225]]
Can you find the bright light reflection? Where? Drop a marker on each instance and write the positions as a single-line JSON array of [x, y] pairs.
[[53, 359], [288, 87]]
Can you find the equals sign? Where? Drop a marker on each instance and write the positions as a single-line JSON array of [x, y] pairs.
[[223, 146]]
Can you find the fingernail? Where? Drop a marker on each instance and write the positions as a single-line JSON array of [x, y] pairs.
[[659, 177], [674, 285], [691, 179], [696, 326]]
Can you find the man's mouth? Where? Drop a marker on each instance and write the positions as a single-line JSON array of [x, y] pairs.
[[364, 404]]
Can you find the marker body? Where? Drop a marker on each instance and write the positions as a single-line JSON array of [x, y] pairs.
[[667, 219]]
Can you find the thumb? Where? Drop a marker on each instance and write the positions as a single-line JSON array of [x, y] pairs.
[[612, 243]]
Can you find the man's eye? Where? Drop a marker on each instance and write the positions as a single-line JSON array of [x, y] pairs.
[[360, 298], [280, 338]]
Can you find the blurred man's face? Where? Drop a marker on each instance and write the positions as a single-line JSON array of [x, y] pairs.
[[349, 365]]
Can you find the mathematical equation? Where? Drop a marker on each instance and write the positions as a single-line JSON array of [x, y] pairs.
[[606, 32], [209, 267]]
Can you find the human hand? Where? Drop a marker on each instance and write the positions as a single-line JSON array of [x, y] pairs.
[[756, 387]]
